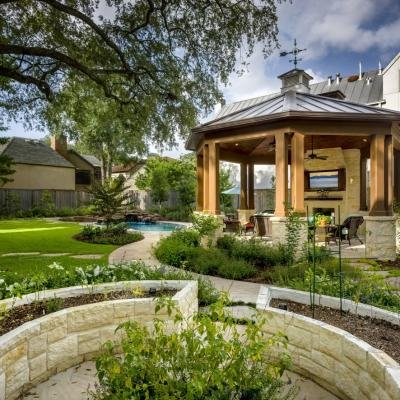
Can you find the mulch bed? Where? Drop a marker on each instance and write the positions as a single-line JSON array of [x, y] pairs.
[[379, 334], [18, 315]]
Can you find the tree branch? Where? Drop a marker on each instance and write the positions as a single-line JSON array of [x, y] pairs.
[[28, 80]]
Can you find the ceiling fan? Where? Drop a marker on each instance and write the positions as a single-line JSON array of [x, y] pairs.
[[312, 155]]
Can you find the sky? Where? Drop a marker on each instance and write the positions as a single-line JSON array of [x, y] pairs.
[[338, 34]]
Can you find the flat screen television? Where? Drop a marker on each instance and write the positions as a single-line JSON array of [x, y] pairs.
[[325, 180]]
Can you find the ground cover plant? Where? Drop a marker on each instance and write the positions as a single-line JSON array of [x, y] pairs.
[[117, 234], [44, 237], [55, 276], [199, 359]]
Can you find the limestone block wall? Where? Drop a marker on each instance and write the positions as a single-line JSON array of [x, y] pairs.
[[338, 158], [380, 237], [43, 347], [338, 361]]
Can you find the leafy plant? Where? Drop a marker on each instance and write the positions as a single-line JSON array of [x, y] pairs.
[[109, 197], [111, 234], [6, 164], [54, 304], [205, 224], [293, 226], [198, 360]]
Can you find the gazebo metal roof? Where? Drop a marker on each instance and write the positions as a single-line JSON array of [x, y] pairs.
[[291, 104]]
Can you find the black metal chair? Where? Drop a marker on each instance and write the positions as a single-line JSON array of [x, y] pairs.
[[352, 224]]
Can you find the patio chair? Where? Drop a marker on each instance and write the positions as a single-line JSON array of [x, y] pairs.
[[352, 224], [249, 226]]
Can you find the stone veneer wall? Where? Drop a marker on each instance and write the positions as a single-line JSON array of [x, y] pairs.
[[43, 347], [338, 158], [338, 361]]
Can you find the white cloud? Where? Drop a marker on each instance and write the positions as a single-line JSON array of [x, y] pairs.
[[339, 24]]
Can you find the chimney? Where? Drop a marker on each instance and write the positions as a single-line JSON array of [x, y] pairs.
[[329, 80], [359, 71], [338, 78], [296, 80], [59, 144]]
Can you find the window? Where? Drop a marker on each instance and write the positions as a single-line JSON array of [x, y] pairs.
[[82, 177], [325, 180]]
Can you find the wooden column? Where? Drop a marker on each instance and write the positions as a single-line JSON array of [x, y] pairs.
[[363, 183], [281, 165], [200, 183], [389, 175], [377, 189], [297, 173], [250, 183], [396, 167], [205, 177], [213, 178], [243, 205]]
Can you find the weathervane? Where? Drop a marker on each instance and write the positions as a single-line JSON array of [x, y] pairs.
[[295, 52]]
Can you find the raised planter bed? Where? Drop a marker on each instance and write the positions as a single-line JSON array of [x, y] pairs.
[[47, 345], [335, 359]]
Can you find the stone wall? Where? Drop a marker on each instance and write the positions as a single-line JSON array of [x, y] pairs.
[[43, 347], [380, 237], [338, 158], [336, 360]]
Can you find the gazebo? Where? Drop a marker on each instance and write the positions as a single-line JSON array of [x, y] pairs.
[[322, 142]]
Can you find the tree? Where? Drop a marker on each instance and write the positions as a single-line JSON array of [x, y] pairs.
[[163, 175], [6, 164], [162, 57], [109, 197]]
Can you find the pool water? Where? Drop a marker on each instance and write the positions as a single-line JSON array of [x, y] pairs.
[[154, 226]]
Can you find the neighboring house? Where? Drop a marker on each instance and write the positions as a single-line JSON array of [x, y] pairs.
[[37, 166], [87, 167], [130, 172]]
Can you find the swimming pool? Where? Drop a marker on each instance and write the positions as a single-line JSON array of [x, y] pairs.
[[154, 226]]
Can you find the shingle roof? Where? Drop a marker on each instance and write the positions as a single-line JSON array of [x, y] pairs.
[[357, 91], [29, 151], [91, 160]]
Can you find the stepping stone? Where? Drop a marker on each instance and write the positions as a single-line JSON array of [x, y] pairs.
[[32, 253], [88, 256], [54, 254], [394, 281]]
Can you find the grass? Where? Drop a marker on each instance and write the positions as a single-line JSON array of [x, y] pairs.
[[37, 235]]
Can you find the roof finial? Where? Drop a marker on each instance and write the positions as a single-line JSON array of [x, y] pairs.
[[295, 52], [380, 68]]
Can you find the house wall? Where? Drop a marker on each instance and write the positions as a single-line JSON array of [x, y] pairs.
[[80, 164], [28, 176], [338, 158], [391, 85]]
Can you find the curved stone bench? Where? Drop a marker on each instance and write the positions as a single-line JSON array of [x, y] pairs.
[[335, 359], [40, 348]]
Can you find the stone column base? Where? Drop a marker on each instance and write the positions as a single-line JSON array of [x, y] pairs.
[[380, 237], [244, 215], [279, 231]]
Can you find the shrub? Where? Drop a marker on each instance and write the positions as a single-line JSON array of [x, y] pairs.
[[196, 361], [171, 251], [236, 269], [190, 237], [227, 242], [206, 225], [113, 234], [206, 261]]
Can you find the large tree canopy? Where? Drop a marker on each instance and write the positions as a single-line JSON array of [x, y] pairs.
[[164, 54]]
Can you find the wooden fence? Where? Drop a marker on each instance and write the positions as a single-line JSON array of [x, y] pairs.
[[25, 199]]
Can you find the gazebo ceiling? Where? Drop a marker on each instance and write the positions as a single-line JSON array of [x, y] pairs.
[[266, 146]]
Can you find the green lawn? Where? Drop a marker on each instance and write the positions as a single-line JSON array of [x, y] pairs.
[[45, 237]]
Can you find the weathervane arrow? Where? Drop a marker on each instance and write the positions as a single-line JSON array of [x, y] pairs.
[[295, 53]]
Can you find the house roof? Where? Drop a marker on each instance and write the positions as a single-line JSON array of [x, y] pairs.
[[132, 167], [30, 151], [357, 91], [94, 161]]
